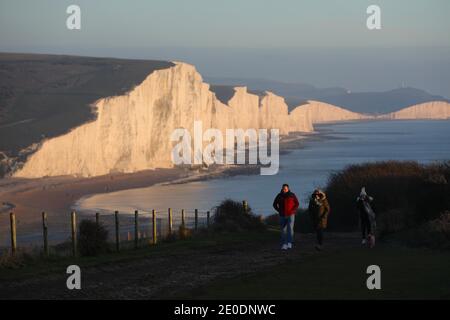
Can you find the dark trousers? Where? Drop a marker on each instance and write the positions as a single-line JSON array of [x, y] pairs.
[[366, 227], [319, 233]]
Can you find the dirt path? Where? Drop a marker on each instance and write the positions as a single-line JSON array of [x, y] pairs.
[[166, 274]]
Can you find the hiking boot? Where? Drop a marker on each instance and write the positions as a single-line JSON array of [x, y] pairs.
[[289, 245], [363, 242], [284, 247]]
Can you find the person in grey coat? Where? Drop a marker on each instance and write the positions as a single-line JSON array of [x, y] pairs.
[[367, 216]]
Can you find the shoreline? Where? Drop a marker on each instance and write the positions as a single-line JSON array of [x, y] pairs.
[[287, 145], [58, 195], [55, 195]]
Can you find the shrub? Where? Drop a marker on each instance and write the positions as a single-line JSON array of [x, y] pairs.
[[432, 234], [230, 215], [92, 238], [184, 233], [411, 192]]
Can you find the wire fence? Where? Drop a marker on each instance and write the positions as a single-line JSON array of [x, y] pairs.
[[49, 234]]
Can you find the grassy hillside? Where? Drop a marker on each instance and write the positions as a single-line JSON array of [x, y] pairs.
[[405, 274], [236, 258], [47, 95]]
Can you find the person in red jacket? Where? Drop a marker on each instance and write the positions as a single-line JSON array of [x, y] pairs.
[[286, 203]]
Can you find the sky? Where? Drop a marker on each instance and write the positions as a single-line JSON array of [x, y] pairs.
[[322, 42]]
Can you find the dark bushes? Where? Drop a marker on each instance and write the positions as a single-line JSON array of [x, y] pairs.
[[230, 215], [432, 234], [92, 238], [407, 194]]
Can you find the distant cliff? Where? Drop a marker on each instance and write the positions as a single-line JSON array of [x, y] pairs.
[[321, 112], [427, 110]]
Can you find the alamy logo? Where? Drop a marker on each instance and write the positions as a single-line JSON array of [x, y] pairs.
[[374, 20], [374, 280], [73, 21], [188, 151], [74, 280]]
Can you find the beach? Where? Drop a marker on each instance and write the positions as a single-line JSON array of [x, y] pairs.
[[28, 198]]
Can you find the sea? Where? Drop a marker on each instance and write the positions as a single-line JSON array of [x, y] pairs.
[[334, 147]]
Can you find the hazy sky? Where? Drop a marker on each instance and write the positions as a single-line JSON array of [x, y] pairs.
[[322, 42]]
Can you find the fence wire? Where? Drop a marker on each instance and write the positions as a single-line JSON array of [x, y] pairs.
[[29, 234]]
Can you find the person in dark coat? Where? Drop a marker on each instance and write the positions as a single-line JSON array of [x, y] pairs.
[[318, 209], [366, 216], [286, 204]]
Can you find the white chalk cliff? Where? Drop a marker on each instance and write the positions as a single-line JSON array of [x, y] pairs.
[[428, 110], [132, 132], [321, 112]]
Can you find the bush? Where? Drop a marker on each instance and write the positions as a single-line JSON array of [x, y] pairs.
[[230, 215], [432, 234], [411, 192], [92, 238], [184, 233]]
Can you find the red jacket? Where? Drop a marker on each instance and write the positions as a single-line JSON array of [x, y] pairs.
[[286, 204]]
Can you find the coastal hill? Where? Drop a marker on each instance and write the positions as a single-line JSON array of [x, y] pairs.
[[375, 103], [427, 110], [321, 112]]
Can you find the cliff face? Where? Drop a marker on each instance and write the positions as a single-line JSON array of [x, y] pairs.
[[300, 117], [245, 108], [132, 131], [427, 110], [320, 112]]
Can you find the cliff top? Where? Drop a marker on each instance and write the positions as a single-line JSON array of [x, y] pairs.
[[47, 95]]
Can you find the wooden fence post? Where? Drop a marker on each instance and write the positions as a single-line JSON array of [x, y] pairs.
[[12, 218], [170, 220], [97, 219], [73, 218], [136, 229], [45, 232], [154, 226], [196, 219], [116, 223], [207, 219], [245, 205], [183, 221]]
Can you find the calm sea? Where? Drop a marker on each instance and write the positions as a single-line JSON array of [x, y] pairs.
[[304, 169]]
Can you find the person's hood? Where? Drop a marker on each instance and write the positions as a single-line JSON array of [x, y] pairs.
[[363, 192], [320, 192]]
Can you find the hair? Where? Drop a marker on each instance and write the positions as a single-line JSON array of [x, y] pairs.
[[285, 185]]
